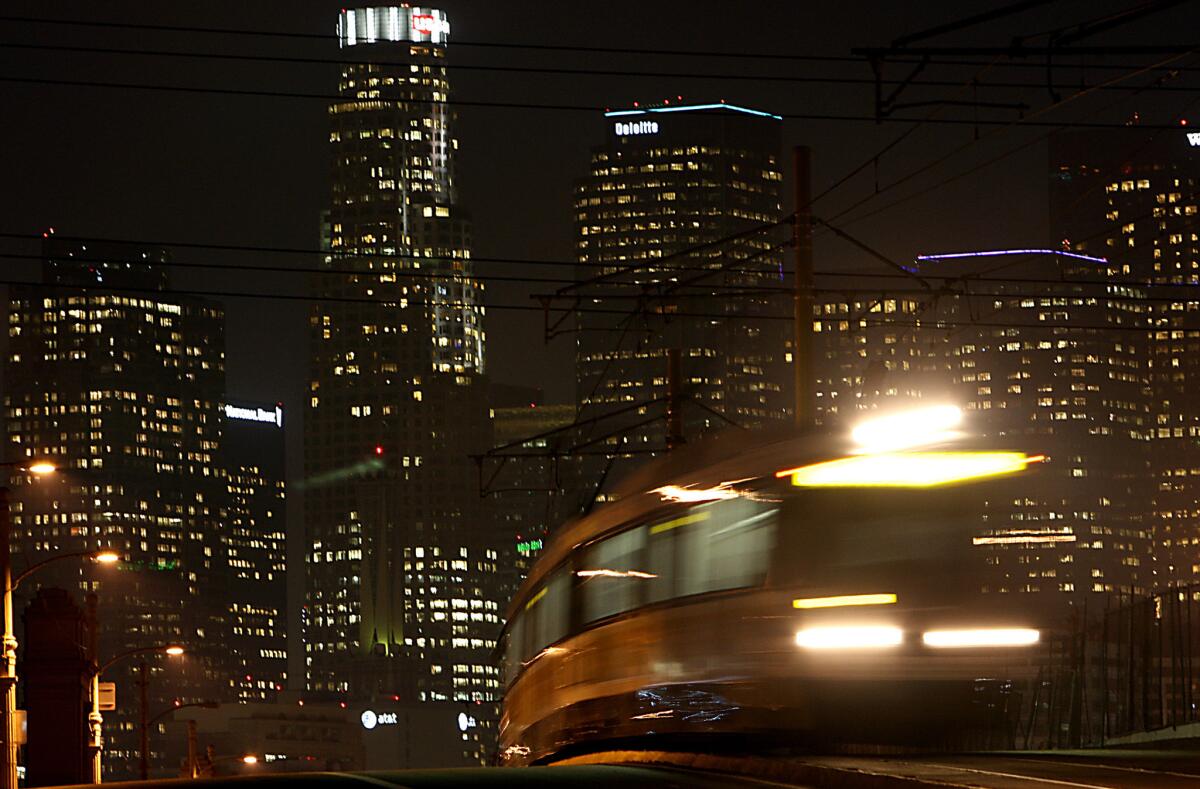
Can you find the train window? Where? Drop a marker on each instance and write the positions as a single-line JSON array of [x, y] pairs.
[[514, 647], [612, 575], [548, 613], [728, 549], [724, 545]]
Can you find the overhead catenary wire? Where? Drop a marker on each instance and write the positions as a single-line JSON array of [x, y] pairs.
[[931, 275], [1089, 64], [562, 71], [513, 105], [933, 323], [764, 291]]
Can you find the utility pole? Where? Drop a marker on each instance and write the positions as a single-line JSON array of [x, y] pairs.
[[8, 679], [802, 344], [95, 719], [674, 400], [143, 686], [193, 767]]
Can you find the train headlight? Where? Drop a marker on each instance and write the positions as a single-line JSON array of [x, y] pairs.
[[981, 637], [850, 637], [906, 429]]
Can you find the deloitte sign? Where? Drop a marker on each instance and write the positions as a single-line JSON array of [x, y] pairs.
[[635, 128]]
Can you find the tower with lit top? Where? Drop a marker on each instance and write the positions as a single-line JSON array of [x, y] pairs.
[[401, 599]]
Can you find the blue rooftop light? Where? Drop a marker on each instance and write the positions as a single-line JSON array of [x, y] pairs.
[[991, 253], [691, 107]]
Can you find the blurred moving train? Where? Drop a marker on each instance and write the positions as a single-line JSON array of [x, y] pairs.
[[807, 590]]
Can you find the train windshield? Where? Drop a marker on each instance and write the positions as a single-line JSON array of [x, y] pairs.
[[929, 543]]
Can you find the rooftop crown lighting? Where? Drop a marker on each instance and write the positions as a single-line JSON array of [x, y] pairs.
[[909, 469], [918, 427]]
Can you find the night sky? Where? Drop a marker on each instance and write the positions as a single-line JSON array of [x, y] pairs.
[[200, 167]]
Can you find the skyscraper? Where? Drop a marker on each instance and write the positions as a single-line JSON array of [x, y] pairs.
[[120, 383], [255, 540], [1041, 354], [688, 198], [1131, 196], [403, 596]]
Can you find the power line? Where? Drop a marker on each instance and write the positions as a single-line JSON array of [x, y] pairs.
[[724, 289], [343, 255], [931, 324], [573, 72], [568, 48], [419, 274], [484, 44], [1026, 121], [935, 276], [252, 93]]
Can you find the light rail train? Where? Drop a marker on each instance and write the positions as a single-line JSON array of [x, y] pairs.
[[805, 590]]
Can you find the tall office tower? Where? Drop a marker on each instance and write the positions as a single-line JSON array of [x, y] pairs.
[[869, 354], [255, 540], [1046, 356], [1131, 195], [675, 218], [123, 391], [403, 594], [1055, 367]]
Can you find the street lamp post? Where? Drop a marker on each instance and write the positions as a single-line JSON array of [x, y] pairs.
[[96, 719], [146, 724], [8, 669]]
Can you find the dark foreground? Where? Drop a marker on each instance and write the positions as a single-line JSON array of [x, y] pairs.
[[1112, 769]]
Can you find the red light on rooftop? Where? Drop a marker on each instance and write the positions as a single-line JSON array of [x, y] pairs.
[[1183, 121], [395, 697], [379, 449], [342, 704]]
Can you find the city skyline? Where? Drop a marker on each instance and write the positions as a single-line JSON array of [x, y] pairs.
[[314, 271]]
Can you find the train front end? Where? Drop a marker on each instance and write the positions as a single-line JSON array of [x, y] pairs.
[[804, 594]]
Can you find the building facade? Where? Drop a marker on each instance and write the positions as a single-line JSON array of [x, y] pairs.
[[1131, 196], [120, 383], [403, 595], [678, 235], [255, 539], [1044, 355]]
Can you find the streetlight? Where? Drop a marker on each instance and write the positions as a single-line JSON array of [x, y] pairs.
[[191, 760], [96, 720], [213, 761], [8, 669]]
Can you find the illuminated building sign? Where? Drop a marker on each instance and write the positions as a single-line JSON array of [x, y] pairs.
[[635, 127], [370, 719], [392, 23], [529, 546], [272, 416], [1193, 139], [429, 24]]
